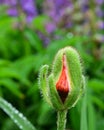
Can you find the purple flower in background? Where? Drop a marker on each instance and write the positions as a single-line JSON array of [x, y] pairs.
[[50, 27], [1, 1], [59, 3], [63, 3], [101, 24], [58, 11], [84, 4], [100, 15], [85, 7], [27, 7], [99, 2], [55, 9], [99, 12], [49, 8], [10, 2], [66, 15], [45, 39], [62, 7], [12, 12]]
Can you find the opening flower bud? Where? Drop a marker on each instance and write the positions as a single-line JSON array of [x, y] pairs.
[[63, 85]]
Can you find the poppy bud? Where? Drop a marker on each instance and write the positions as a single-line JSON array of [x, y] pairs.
[[64, 86]]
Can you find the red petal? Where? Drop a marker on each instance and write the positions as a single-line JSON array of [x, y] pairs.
[[62, 85]]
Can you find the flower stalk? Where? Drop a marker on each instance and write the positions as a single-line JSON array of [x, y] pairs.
[[61, 120]]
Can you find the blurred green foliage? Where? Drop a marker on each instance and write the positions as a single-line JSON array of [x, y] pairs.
[[22, 54]]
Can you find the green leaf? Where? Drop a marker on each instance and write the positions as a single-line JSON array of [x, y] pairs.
[[33, 39], [83, 123], [91, 115], [8, 21], [98, 102], [39, 22], [4, 62], [100, 124], [96, 84], [11, 86], [24, 65], [45, 111], [9, 72], [16, 116]]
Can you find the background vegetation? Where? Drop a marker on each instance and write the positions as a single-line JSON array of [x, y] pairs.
[[31, 38]]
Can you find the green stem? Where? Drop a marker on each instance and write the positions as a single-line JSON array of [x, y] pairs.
[[61, 121]]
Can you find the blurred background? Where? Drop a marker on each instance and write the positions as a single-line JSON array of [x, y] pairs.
[[31, 32]]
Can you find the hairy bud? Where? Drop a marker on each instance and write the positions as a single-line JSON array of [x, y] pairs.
[[64, 86]]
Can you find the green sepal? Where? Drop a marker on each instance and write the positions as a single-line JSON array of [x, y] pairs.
[[43, 83], [75, 95], [55, 99], [74, 67], [57, 66], [71, 99]]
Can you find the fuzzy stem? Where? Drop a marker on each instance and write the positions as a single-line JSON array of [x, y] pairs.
[[61, 121]]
